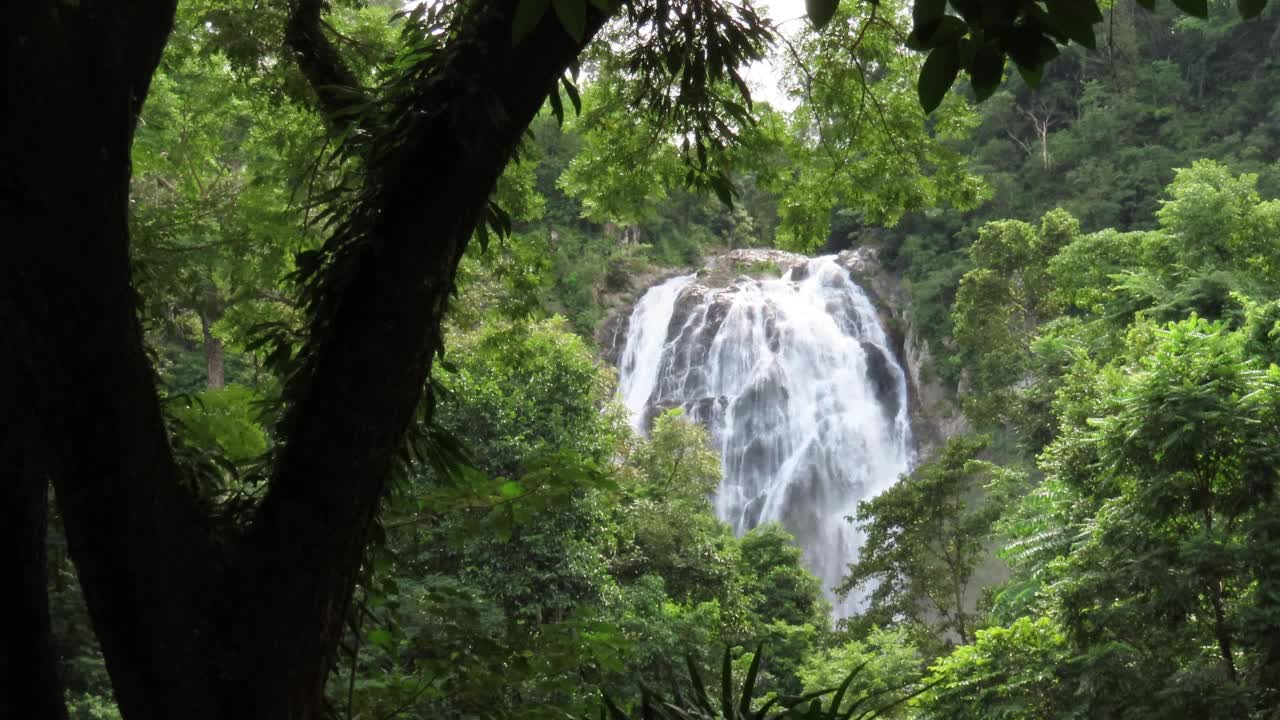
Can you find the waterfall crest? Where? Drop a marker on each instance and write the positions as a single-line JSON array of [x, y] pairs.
[[797, 383]]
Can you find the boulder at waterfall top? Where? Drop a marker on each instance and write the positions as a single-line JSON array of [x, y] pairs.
[[785, 359], [930, 404], [719, 272]]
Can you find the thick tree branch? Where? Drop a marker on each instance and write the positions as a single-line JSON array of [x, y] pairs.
[[372, 351], [335, 85], [28, 673], [187, 628], [77, 76]]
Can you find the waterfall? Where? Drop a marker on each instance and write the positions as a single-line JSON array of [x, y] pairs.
[[646, 337], [798, 385]]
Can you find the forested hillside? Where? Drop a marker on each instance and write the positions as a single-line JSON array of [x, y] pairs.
[[336, 436], [1102, 137]]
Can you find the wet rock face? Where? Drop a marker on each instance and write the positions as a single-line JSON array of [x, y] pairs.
[[750, 263], [785, 360], [612, 337], [880, 372], [934, 414]]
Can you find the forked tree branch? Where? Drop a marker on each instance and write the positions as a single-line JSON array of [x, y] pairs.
[[91, 422], [371, 349], [335, 85]]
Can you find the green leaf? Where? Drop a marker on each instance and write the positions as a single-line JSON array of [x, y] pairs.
[[946, 30], [380, 637], [726, 686], [572, 91], [937, 75], [1250, 9], [924, 12], [573, 16], [723, 189], [615, 713], [749, 685], [511, 489], [1031, 75], [699, 690], [1198, 8], [557, 106], [528, 14], [986, 72], [821, 11], [970, 10], [1075, 19]]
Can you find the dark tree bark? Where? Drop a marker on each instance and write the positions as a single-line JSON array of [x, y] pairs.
[[28, 673], [76, 77], [344, 434], [335, 86], [191, 624]]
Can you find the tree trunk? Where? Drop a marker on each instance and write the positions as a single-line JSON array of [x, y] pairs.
[[1220, 630], [195, 623], [28, 672], [344, 433], [961, 628], [215, 376], [77, 76], [1221, 633]]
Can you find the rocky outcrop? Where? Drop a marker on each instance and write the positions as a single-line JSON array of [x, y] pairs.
[[722, 270], [719, 272], [935, 415], [611, 336]]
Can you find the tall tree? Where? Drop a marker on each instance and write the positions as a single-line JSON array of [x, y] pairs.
[[925, 537], [197, 620]]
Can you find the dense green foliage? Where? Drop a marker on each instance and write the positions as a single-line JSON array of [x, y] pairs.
[[1101, 137], [1141, 384], [925, 538], [582, 556], [1093, 261]]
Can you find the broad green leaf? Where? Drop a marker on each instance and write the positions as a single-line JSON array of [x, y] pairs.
[[986, 72], [944, 31], [723, 189], [726, 686], [557, 105], [937, 76], [821, 11], [1031, 75], [749, 684], [924, 12], [528, 14], [572, 91], [1251, 8], [615, 713], [573, 16], [970, 10], [1075, 19], [380, 637], [1198, 8]]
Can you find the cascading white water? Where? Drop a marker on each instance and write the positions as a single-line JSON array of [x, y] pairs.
[[646, 336], [797, 383]]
